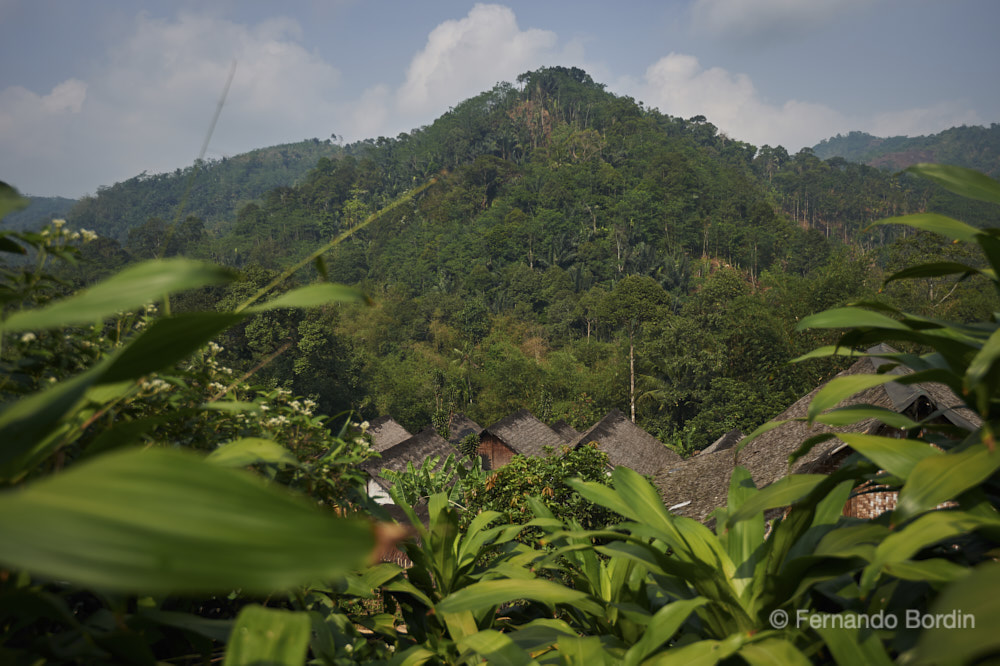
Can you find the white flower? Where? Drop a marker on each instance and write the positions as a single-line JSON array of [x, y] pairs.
[[216, 387], [214, 348], [58, 224], [28, 337], [264, 407], [74, 236], [88, 235]]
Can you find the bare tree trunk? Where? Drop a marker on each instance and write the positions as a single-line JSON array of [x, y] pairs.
[[631, 374]]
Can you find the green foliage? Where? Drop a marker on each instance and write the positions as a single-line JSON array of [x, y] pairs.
[[511, 489]]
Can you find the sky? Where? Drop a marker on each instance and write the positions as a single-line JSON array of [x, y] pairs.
[[93, 92]]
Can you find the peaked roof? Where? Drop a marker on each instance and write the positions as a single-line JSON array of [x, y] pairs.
[[386, 433], [727, 441], [526, 435], [703, 480], [460, 427], [414, 450], [566, 431], [697, 486], [628, 445]]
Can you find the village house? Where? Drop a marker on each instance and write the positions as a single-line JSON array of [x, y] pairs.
[[699, 485], [628, 445], [415, 449], [518, 434]]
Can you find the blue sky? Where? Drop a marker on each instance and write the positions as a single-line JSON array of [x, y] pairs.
[[93, 92]]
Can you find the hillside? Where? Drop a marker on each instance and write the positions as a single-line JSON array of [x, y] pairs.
[[40, 211], [574, 252], [212, 190], [973, 147]]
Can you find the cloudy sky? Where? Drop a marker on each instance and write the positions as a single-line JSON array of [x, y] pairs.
[[95, 91]]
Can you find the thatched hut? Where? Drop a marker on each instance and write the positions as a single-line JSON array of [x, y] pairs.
[[461, 426], [415, 449], [566, 431], [628, 445], [386, 433], [518, 434], [727, 441], [701, 483]]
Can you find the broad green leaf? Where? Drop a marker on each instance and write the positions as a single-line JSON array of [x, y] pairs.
[[664, 624], [746, 536], [896, 456], [984, 361], [782, 492], [938, 224], [849, 646], [853, 413], [850, 318], [960, 180], [940, 478], [166, 342], [773, 652], [164, 521], [25, 423], [217, 630], [934, 570], [268, 636], [828, 351], [131, 288], [760, 430], [852, 541], [8, 245], [495, 592], [415, 656], [10, 200], [496, 648], [584, 651], [969, 612], [311, 296], [841, 388], [702, 653], [936, 269], [927, 530], [250, 451]]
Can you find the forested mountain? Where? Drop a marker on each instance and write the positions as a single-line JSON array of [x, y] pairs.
[[973, 147], [574, 252], [212, 190], [40, 211]]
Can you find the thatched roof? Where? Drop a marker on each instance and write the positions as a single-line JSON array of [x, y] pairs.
[[460, 427], [767, 456], [386, 433], [526, 435], [628, 445], [566, 431], [414, 450], [703, 480], [698, 485], [727, 441]]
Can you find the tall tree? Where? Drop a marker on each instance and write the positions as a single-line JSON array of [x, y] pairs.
[[634, 301]]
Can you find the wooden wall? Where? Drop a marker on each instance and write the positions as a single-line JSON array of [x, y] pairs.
[[493, 451]]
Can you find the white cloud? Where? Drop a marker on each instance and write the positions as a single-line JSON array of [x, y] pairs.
[[466, 56], [765, 20], [927, 120], [149, 104], [679, 86]]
